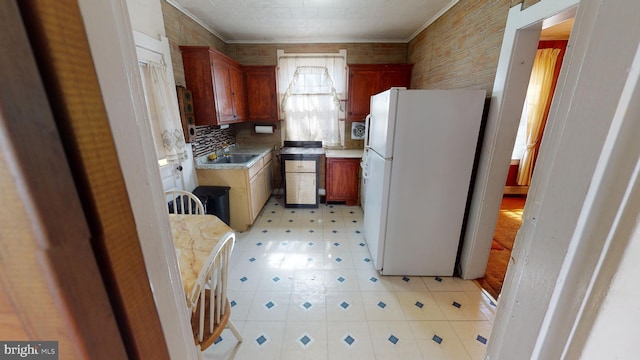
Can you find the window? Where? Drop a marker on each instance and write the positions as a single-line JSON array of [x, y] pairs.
[[311, 88]]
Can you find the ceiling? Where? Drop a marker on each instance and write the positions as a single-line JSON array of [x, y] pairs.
[[560, 31], [314, 21]]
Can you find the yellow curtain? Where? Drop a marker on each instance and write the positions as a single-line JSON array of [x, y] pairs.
[[538, 96]]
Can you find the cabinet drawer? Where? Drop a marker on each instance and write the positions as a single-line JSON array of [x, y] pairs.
[[267, 157], [255, 168], [308, 166]]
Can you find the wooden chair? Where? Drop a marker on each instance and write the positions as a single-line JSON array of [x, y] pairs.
[[184, 202], [208, 300]]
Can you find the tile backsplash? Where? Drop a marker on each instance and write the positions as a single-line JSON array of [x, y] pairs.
[[209, 139]]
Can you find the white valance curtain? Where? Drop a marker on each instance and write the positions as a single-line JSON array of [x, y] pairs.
[[162, 104], [310, 91], [538, 96]]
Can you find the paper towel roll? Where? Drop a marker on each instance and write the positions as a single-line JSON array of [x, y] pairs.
[[264, 129]]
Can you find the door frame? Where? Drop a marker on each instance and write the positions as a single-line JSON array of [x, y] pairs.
[[43, 296], [111, 41], [581, 209], [519, 46]]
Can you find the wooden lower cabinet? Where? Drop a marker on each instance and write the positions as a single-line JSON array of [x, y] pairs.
[[342, 180], [260, 189], [250, 189], [301, 188], [301, 182]]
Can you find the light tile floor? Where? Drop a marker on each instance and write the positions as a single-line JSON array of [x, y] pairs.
[[302, 286]]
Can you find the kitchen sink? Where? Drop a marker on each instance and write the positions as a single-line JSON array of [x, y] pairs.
[[233, 159]]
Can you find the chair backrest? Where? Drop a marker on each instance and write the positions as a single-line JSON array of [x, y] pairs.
[[184, 202], [208, 298]]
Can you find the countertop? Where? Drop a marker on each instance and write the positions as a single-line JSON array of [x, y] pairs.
[[203, 163], [346, 153]]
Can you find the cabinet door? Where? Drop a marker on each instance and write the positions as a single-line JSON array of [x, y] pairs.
[[222, 92], [256, 194], [198, 74], [301, 188], [369, 79], [268, 180], [262, 98], [217, 84], [362, 84], [395, 77], [238, 93], [342, 180]]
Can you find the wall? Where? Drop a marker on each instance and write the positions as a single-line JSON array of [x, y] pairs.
[[182, 30], [615, 330], [209, 139], [366, 53], [465, 57], [357, 53]]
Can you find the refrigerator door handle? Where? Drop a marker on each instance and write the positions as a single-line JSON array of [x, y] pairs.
[[364, 164], [367, 120]]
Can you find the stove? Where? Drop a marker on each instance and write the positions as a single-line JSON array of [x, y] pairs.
[[300, 173]]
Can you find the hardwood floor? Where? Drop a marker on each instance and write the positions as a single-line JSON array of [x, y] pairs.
[[509, 221]]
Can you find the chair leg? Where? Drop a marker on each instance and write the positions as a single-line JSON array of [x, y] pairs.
[[200, 354], [234, 330]]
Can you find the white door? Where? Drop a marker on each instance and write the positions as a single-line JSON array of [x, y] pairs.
[[375, 209]]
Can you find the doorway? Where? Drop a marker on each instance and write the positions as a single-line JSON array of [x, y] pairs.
[[552, 39]]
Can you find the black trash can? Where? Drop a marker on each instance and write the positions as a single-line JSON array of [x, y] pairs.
[[216, 201]]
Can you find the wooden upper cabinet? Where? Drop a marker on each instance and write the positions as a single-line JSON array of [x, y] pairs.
[[222, 97], [362, 84], [238, 92], [394, 77], [262, 96], [217, 84], [366, 80]]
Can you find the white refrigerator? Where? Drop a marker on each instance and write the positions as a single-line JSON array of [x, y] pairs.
[[419, 155]]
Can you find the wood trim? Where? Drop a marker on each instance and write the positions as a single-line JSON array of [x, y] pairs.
[[58, 38], [50, 282]]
